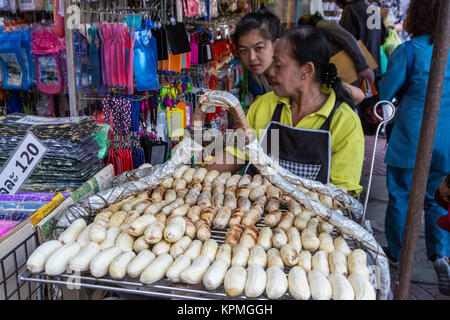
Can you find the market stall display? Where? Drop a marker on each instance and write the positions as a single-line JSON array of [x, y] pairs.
[[176, 223]]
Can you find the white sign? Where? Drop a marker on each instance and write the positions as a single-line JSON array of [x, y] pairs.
[[21, 164], [34, 120]]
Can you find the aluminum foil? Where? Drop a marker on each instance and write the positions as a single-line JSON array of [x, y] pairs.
[[88, 207], [255, 151], [133, 175], [346, 226]]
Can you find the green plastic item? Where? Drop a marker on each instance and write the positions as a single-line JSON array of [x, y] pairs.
[[391, 43], [103, 140], [50, 5]]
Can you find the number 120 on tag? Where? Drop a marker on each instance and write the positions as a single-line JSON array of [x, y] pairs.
[[21, 164]]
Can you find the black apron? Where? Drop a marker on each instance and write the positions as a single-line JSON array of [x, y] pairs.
[[304, 152]]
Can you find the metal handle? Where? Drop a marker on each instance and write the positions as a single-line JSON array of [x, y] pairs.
[[389, 117]]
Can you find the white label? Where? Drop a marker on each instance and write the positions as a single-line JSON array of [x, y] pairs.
[[34, 120], [21, 164]]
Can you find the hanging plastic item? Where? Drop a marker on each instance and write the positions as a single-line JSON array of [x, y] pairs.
[[161, 40], [105, 35], [50, 5], [191, 8], [161, 128], [45, 47], [194, 42], [133, 21], [174, 62], [94, 63], [15, 61], [175, 119], [145, 62], [114, 54], [177, 37]]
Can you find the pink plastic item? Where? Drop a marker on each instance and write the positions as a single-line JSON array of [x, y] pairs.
[[121, 54], [105, 34], [6, 226], [195, 39], [191, 8], [45, 46]]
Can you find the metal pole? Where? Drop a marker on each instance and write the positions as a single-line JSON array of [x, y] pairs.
[[424, 150], [70, 61]]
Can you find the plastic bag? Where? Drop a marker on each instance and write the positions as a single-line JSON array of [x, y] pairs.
[[145, 62], [15, 61], [391, 43], [103, 141], [46, 46]]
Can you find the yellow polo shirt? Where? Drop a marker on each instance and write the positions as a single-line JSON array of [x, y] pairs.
[[347, 137]]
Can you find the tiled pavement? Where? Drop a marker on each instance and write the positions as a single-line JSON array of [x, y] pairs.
[[424, 281]]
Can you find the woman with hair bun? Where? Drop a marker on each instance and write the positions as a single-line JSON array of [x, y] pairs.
[[307, 120], [254, 39]]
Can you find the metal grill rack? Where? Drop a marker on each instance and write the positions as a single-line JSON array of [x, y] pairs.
[[11, 265], [163, 288]]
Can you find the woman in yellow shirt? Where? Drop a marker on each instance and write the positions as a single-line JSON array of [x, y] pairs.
[[306, 121]]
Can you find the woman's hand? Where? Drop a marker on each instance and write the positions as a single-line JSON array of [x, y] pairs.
[[444, 189], [365, 74]]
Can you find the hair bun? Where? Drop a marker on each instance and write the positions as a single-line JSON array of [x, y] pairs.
[[330, 76]]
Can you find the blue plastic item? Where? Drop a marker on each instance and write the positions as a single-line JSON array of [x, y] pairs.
[[16, 61], [145, 61], [133, 21], [94, 61]]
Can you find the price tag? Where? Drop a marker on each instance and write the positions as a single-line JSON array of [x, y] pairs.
[[34, 120], [21, 164]]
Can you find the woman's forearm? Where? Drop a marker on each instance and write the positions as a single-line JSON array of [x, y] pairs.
[[356, 93]]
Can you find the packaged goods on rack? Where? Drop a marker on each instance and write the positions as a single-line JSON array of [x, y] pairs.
[[38, 82], [72, 155], [219, 231], [18, 208]]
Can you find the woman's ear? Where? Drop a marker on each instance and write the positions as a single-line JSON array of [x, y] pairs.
[[307, 70]]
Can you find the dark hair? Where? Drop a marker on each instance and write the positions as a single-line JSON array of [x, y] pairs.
[[310, 45], [309, 20], [422, 18], [265, 21]]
